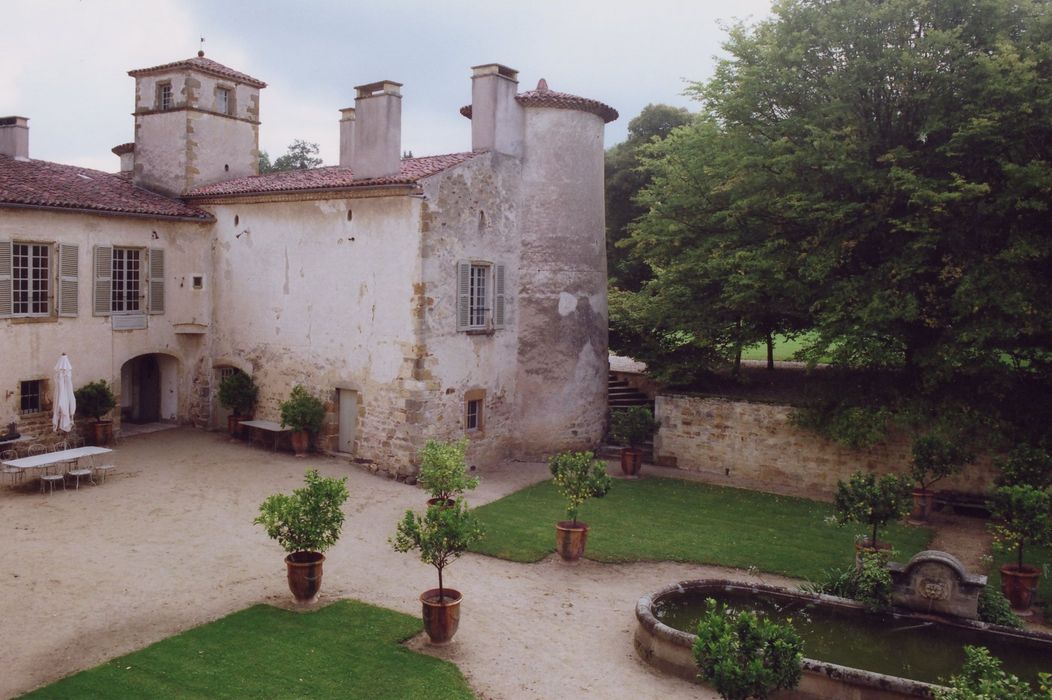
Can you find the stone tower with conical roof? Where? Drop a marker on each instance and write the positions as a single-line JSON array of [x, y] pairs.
[[196, 123]]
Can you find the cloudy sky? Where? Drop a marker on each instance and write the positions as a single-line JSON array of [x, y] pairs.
[[64, 63]]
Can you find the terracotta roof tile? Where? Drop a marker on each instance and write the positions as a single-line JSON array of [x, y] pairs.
[[40, 183], [205, 65], [331, 177], [543, 97]]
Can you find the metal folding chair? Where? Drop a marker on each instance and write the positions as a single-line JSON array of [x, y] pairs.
[[14, 473]]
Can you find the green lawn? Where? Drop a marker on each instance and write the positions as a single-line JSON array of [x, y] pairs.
[[656, 519], [346, 650], [1041, 557]]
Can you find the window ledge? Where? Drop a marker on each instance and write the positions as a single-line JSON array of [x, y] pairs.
[[33, 319], [481, 331]]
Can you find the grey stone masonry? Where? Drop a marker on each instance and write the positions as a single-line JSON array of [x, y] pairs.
[[936, 582]]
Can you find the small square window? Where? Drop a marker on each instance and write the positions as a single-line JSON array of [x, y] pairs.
[[198, 282], [164, 96], [30, 396], [223, 100]]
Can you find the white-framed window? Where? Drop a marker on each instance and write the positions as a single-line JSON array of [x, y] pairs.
[[223, 100], [30, 279], [474, 410], [128, 280], [164, 96], [482, 301]]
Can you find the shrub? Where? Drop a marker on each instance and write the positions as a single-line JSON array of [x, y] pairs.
[[95, 399], [1022, 515], [866, 500], [743, 655], [441, 535], [579, 476], [302, 411], [935, 458], [869, 584], [238, 392], [443, 471], [1026, 466], [310, 519], [982, 678], [632, 426], [995, 609]]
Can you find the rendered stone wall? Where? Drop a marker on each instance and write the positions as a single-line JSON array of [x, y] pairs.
[[755, 445]]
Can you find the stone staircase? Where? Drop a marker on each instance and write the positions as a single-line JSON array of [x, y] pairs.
[[620, 395]]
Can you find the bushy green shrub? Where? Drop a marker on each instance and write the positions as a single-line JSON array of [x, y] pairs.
[[632, 426], [1026, 466], [579, 476], [869, 584], [238, 392], [744, 655], [95, 399], [982, 678], [302, 411], [867, 500], [936, 457], [443, 471], [995, 609], [310, 519]]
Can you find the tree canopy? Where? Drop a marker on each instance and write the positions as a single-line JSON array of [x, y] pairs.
[[301, 155], [875, 174]]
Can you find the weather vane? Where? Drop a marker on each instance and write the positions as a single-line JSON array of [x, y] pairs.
[[201, 51]]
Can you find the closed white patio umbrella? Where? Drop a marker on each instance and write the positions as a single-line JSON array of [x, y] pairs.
[[65, 401]]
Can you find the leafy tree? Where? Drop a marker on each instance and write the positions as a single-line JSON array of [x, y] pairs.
[[982, 677], [309, 520], [1022, 515], [441, 535], [867, 500], [443, 471], [301, 155], [579, 476]]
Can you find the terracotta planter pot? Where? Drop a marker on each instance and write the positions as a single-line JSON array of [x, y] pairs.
[[631, 461], [570, 539], [102, 432], [444, 502], [305, 569], [1020, 586], [922, 502], [441, 616], [234, 427], [300, 442]]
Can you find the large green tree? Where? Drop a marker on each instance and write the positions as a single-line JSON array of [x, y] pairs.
[[301, 155], [892, 163]]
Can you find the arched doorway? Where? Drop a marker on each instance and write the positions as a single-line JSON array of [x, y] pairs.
[[149, 389]]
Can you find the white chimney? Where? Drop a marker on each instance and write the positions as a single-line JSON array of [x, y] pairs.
[[377, 131], [126, 152], [14, 137], [497, 121], [346, 137]]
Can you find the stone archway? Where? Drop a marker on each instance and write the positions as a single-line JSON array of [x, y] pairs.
[[150, 388]]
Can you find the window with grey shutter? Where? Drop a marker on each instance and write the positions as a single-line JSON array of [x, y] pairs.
[[498, 296], [463, 295], [156, 281], [6, 299], [103, 280], [68, 283]]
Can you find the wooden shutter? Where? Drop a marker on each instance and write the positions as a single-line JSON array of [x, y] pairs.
[[498, 296], [463, 295], [156, 281], [6, 298], [68, 283], [103, 292]]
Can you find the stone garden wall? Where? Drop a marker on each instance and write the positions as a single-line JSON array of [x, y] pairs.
[[755, 445]]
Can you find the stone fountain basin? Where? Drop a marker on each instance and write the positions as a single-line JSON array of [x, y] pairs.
[[669, 649]]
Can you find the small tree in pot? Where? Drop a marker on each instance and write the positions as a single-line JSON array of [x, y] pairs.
[[238, 393], [934, 458], [632, 427], [867, 500], [305, 524], [443, 470], [95, 400], [304, 413], [441, 535], [578, 476], [1022, 515], [1026, 465]]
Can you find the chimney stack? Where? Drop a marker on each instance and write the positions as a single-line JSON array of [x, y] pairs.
[[346, 137], [497, 120], [377, 148], [126, 152], [14, 137]]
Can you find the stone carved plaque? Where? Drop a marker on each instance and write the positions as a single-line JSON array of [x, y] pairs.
[[936, 582]]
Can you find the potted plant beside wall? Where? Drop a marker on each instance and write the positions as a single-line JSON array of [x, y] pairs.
[[305, 524], [441, 535], [304, 413], [632, 427], [867, 500], [1022, 515], [95, 400], [578, 476], [444, 472], [934, 458], [238, 394]]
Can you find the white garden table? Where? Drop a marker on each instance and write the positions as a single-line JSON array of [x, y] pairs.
[[50, 458], [267, 426]]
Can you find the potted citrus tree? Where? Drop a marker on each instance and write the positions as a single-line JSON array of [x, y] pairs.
[[95, 400], [1022, 515], [632, 427], [443, 471], [578, 476], [934, 458], [304, 413], [305, 524], [867, 500], [440, 535], [238, 393]]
